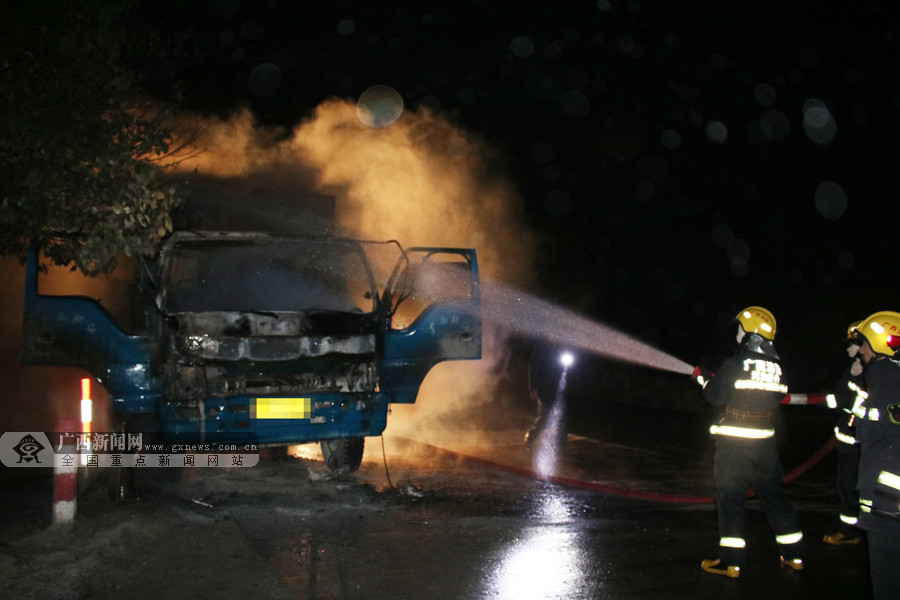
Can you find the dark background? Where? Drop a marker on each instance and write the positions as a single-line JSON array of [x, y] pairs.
[[659, 148]]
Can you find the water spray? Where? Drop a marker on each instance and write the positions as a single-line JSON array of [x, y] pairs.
[[536, 318], [554, 433]]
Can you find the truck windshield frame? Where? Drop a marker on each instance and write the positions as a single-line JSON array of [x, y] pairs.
[[265, 274]]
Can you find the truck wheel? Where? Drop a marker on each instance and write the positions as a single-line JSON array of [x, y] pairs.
[[343, 455]]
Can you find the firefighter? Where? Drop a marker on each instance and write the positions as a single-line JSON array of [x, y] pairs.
[[845, 394], [749, 386], [878, 431]]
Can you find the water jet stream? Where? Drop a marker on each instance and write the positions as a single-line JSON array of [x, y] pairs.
[[533, 317], [548, 442]]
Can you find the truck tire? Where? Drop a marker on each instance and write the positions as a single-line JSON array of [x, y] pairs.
[[343, 455]]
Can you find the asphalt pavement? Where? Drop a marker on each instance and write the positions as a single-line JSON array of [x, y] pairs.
[[463, 514]]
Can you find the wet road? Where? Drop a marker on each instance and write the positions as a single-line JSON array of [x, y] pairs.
[[478, 529], [452, 518]]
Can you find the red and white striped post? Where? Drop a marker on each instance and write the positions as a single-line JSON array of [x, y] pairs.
[[86, 416], [65, 472]]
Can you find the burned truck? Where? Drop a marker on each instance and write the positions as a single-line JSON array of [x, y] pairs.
[[268, 338]]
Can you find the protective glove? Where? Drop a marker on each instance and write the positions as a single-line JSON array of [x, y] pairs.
[[856, 367], [701, 375]]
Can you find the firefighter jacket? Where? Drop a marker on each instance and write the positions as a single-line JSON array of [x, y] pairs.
[[846, 395], [749, 386], [878, 432]]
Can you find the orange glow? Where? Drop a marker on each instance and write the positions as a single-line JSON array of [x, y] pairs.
[[306, 451], [85, 388], [421, 180]]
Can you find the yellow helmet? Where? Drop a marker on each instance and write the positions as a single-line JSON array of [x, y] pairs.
[[852, 332], [882, 331], [756, 319]]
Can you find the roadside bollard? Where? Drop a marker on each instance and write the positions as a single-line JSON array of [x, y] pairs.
[[65, 470]]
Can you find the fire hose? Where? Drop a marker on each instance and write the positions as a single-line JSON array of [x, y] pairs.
[[614, 490]]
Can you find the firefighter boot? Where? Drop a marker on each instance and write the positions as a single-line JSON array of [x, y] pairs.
[[795, 564], [711, 565], [838, 539]]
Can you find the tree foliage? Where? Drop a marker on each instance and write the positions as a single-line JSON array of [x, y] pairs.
[[79, 142]]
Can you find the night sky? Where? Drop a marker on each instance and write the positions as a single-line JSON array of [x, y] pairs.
[[677, 163]]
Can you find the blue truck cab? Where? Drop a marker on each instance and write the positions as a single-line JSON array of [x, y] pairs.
[[268, 338]]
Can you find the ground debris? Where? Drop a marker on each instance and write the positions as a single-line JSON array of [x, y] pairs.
[[321, 475]]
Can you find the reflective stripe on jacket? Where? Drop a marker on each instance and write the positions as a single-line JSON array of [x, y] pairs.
[[845, 398], [750, 387]]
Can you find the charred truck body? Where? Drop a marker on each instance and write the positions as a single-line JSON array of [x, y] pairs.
[[268, 338]]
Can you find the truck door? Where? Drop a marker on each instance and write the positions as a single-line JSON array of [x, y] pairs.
[[434, 300], [77, 331]]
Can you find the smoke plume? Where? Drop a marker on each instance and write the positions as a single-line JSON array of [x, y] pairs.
[[421, 181]]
